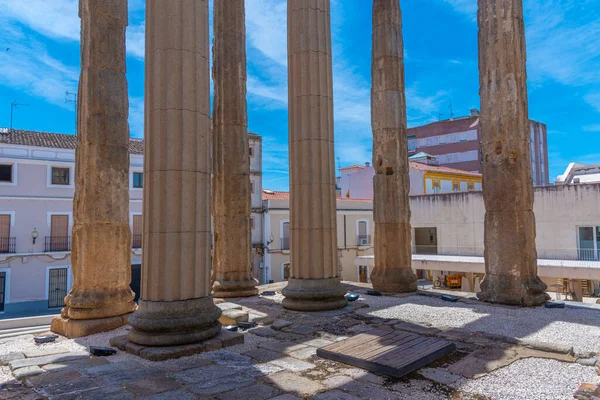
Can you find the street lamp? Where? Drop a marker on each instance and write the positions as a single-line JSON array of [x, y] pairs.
[[34, 235]]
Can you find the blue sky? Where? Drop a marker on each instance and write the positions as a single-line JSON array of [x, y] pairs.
[[563, 43]]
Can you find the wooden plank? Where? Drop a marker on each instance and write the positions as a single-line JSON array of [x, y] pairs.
[[394, 354], [390, 341], [358, 340]]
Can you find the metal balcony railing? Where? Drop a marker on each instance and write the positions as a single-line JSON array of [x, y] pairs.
[[57, 243], [285, 243], [572, 254], [136, 242], [7, 245], [363, 240]]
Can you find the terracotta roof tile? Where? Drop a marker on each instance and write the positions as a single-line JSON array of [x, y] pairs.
[[277, 195], [55, 140], [446, 170]]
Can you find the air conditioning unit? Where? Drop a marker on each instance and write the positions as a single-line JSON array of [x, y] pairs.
[[364, 242]]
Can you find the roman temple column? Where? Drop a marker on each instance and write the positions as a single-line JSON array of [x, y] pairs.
[[176, 306], [314, 283], [232, 271], [510, 253], [391, 184], [100, 298]]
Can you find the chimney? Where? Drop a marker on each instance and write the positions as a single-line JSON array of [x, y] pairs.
[[474, 112], [367, 164]]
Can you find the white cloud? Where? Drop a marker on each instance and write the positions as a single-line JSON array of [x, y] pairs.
[[593, 99], [136, 117], [468, 7], [592, 128]]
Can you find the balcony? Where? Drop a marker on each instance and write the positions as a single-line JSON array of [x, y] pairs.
[[136, 242], [285, 244], [7, 245], [57, 243], [363, 240]]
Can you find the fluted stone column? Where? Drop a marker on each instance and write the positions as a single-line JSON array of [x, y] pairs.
[[232, 270], [391, 183], [100, 298], [510, 253], [314, 283], [176, 306]]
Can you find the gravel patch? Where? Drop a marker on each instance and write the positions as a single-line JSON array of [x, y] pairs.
[[532, 378], [573, 327]]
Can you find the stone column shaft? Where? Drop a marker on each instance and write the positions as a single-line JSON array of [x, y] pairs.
[[232, 270], [314, 283], [510, 253], [175, 306], [100, 297], [391, 184]]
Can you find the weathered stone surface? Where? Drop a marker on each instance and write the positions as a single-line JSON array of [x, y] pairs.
[[101, 243], [314, 283], [146, 387], [587, 391], [279, 324], [263, 355], [281, 347], [391, 184], [176, 307], [335, 395], [5, 358], [44, 351], [510, 253], [231, 205], [255, 392], [173, 395], [21, 373], [294, 384], [439, 375], [74, 328], [27, 362], [292, 364], [232, 317], [304, 354], [228, 306], [50, 378]]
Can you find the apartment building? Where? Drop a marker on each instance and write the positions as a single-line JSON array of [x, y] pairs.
[[577, 173], [457, 144], [426, 177], [37, 171]]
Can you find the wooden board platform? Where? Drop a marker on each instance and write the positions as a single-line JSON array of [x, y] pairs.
[[388, 352]]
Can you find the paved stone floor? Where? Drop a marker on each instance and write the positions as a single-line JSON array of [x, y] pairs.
[[278, 361]]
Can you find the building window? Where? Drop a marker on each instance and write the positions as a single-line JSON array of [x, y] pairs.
[[136, 242], [60, 176], [251, 222], [456, 186], [6, 174], [470, 186], [363, 237], [251, 151], [436, 187], [363, 274], [412, 144], [285, 235], [589, 243], [138, 180], [252, 186]]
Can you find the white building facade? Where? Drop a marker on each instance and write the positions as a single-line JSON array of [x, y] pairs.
[[37, 171]]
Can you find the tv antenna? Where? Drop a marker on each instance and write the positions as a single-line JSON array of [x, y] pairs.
[[451, 111], [14, 105], [71, 97], [439, 116]]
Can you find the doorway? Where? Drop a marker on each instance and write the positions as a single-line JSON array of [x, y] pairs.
[[57, 287], [363, 274], [2, 290], [136, 280]]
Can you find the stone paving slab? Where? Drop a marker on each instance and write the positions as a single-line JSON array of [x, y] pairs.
[[180, 394], [5, 358], [210, 372], [101, 393], [293, 364], [294, 384], [220, 385], [155, 385], [52, 359], [45, 351], [50, 378], [257, 391], [335, 395], [21, 373]]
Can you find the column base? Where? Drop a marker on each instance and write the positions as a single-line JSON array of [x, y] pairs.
[[74, 328], [314, 294], [172, 323], [225, 289], [506, 289], [394, 280]]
